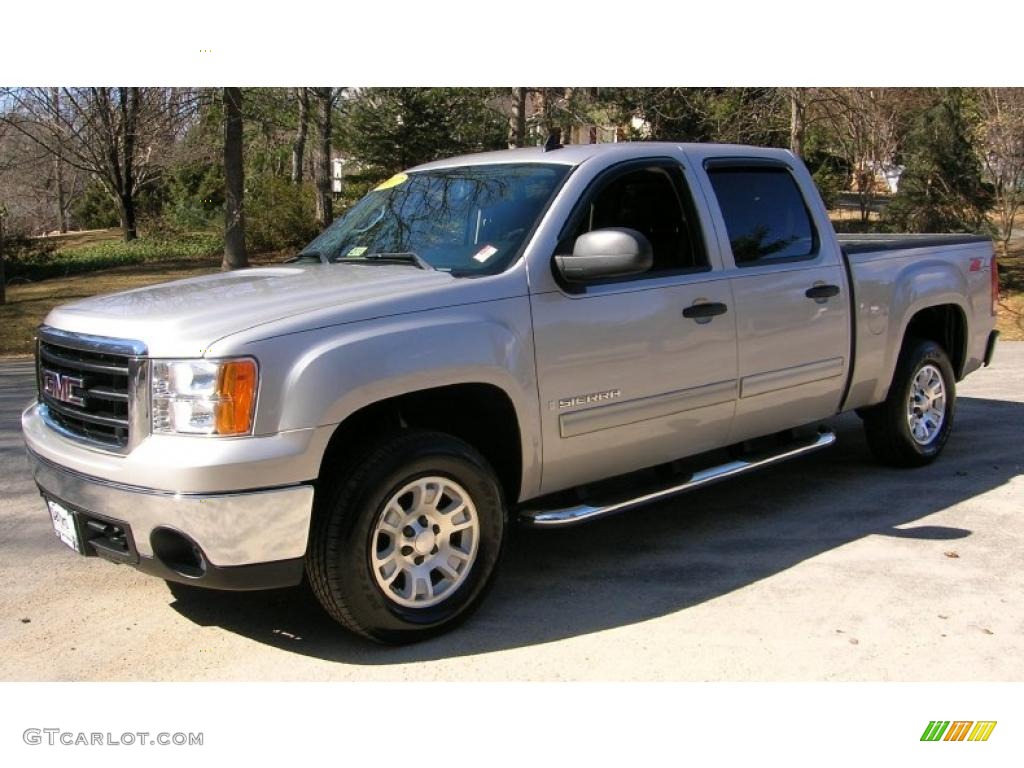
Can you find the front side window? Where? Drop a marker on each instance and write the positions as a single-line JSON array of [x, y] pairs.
[[764, 214], [466, 220], [649, 201]]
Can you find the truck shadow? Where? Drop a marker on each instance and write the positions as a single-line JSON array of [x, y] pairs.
[[671, 556]]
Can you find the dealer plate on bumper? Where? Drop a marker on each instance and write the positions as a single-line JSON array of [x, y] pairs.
[[64, 524]]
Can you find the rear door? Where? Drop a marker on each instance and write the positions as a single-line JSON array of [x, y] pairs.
[[790, 292], [629, 374]]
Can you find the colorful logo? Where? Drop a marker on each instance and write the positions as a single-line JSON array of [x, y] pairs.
[[958, 730]]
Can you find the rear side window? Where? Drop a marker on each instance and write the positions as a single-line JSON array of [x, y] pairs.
[[764, 214]]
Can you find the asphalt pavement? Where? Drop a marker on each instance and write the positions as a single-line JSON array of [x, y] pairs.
[[830, 567]]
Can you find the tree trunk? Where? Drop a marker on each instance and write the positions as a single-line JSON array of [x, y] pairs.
[[324, 202], [796, 125], [545, 109], [58, 168], [567, 94], [234, 181], [62, 219], [865, 193], [519, 138], [299, 143], [126, 208], [129, 119]]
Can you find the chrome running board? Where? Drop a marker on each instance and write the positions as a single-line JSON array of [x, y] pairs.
[[550, 518]]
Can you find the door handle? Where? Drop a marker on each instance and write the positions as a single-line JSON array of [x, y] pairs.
[[706, 310], [822, 291]]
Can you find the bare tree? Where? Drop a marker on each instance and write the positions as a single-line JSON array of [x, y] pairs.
[[3, 259], [234, 182], [299, 143], [64, 188], [325, 99], [5, 163], [1002, 153], [39, 185], [120, 136], [28, 185], [864, 123]]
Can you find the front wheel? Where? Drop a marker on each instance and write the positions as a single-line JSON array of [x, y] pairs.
[[405, 543], [911, 427]]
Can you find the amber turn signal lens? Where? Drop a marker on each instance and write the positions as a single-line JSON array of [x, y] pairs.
[[236, 396]]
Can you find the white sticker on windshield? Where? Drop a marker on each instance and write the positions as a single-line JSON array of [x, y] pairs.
[[485, 253], [359, 250]]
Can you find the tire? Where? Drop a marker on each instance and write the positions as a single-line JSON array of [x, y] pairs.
[[888, 424], [371, 556]]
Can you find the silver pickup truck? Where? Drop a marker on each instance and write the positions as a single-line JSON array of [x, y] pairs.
[[543, 337]]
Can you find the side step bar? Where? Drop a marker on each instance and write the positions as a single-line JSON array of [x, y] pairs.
[[551, 518]]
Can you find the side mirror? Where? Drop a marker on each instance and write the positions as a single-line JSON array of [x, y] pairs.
[[604, 253]]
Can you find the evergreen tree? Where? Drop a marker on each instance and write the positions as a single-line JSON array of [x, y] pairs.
[[941, 189], [758, 116], [390, 129]]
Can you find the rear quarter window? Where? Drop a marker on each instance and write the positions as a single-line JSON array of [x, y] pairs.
[[765, 215]]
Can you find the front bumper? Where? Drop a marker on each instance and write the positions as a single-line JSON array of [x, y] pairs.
[[240, 540]]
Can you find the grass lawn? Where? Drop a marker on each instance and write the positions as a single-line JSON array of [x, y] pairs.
[[1011, 300], [85, 237], [80, 252], [28, 303]]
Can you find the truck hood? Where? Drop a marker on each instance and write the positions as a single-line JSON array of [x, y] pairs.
[[184, 317]]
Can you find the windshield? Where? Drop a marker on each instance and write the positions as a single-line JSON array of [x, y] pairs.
[[467, 220]]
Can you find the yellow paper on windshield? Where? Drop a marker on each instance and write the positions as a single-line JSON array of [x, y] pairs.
[[394, 181]]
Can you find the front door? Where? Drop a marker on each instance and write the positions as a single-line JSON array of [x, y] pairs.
[[626, 379]]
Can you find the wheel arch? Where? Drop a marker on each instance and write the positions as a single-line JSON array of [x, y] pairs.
[[942, 319], [946, 325], [480, 413]]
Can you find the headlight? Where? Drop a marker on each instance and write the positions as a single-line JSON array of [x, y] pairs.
[[204, 397]]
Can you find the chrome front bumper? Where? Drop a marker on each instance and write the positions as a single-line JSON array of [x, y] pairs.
[[245, 540]]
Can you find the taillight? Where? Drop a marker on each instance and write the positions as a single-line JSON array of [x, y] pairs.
[[995, 285]]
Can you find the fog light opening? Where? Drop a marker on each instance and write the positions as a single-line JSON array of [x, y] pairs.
[[178, 552]]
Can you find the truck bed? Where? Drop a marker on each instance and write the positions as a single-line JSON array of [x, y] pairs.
[[890, 275]]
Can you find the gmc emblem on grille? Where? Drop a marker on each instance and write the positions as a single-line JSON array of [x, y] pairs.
[[62, 387]]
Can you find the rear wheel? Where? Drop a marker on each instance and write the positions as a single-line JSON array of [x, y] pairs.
[[405, 543], [911, 427]]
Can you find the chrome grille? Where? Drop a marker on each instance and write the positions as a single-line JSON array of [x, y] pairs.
[[87, 386]]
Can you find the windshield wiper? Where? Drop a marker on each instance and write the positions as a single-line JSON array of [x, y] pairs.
[[405, 257], [308, 255]]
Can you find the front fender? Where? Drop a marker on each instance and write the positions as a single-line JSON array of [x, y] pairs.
[[335, 371]]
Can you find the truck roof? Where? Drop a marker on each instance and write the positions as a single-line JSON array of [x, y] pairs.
[[574, 154]]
